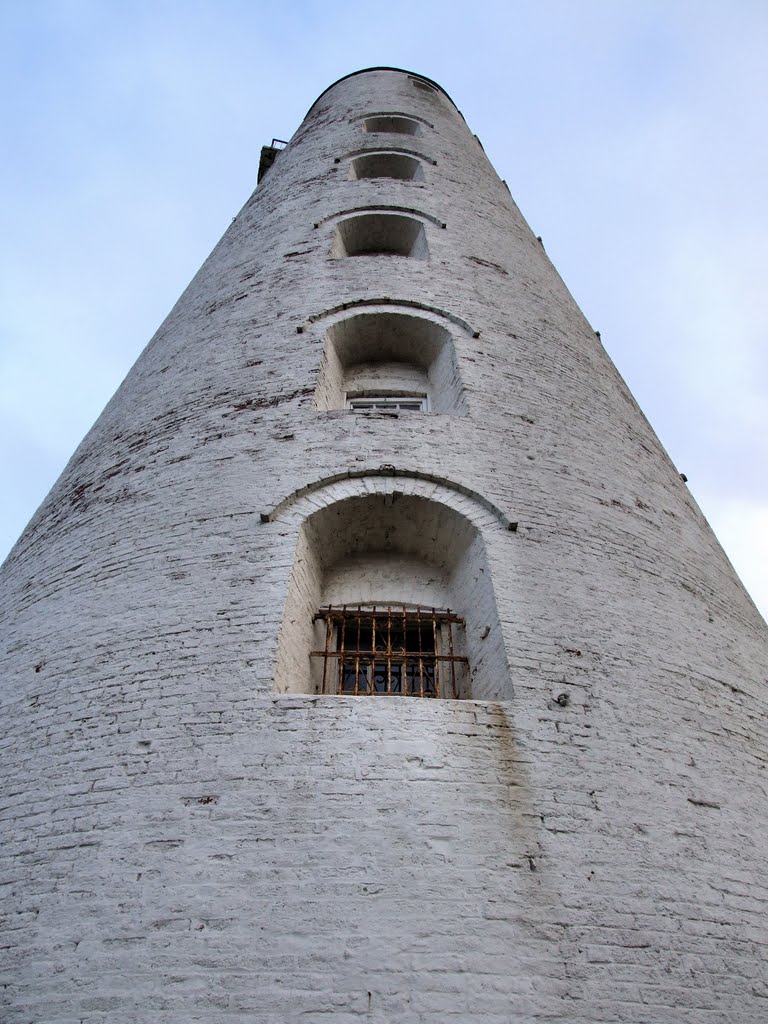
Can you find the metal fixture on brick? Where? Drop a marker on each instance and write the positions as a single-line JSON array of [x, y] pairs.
[[394, 650], [387, 403]]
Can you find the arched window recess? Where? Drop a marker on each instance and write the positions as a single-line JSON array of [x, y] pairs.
[[390, 362], [393, 124], [386, 164], [391, 594], [380, 233]]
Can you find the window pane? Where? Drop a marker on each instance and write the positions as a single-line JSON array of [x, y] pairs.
[[348, 675]]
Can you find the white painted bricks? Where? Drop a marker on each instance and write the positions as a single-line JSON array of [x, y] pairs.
[[181, 843]]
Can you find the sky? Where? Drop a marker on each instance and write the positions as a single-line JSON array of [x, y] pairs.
[[632, 134]]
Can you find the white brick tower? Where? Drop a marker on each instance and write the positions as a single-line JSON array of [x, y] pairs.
[[370, 660]]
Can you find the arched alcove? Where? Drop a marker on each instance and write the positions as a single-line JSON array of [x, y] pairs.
[[392, 123], [380, 234], [386, 165], [390, 561], [389, 354]]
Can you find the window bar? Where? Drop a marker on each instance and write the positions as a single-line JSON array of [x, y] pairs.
[[389, 650], [328, 628], [405, 650], [421, 659], [341, 649], [357, 655], [450, 652], [403, 668], [372, 681]]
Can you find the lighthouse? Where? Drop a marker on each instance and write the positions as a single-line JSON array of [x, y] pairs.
[[370, 660]]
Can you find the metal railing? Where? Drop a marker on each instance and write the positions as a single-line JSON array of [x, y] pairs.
[[391, 650]]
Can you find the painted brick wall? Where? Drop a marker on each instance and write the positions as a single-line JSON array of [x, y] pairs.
[[182, 844]]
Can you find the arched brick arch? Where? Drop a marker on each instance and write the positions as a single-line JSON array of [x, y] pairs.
[[356, 211], [300, 504], [385, 304]]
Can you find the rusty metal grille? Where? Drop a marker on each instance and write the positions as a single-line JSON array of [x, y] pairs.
[[393, 650]]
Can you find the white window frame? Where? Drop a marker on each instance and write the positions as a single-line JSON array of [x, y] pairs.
[[386, 401]]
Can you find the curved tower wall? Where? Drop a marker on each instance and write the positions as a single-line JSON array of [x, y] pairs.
[[190, 833]]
